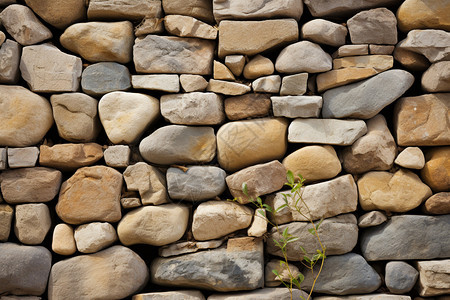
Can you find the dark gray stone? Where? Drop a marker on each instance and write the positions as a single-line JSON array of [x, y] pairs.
[[101, 78], [408, 237], [400, 277]]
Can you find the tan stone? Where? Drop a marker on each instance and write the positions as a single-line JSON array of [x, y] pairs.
[[267, 84], [258, 66], [244, 143], [411, 158], [313, 163], [411, 60], [398, 192], [436, 172], [10, 53], [149, 26], [438, 204], [423, 120], [433, 277], [193, 83], [59, 13], [378, 62], [221, 72], [69, 157], [423, 14], [100, 41], [91, 194], [160, 82], [93, 237], [227, 88], [2, 38], [6, 216], [32, 223], [200, 9], [235, 63], [253, 37], [340, 77], [128, 203], [259, 223], [247, 106], [188, 247], [63, 241], [22, 157], [134, 10], [185, 26], [351, 50], [431, 43], [324, 32], [437, 77]]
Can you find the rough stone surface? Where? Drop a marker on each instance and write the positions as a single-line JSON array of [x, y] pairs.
[[193, 83], [436, 172], [375, 26], [186, 26], [366, 297], [100, 41], [135, 10], [188, 247], [411, 158], [326, 131], [431, 43], [433, 278], [206, 269], [244, 143], [166, 83], [423, 14], [174, 144], [247, 106], [93, 237], [25, 269], [63, 241], [10, 53], [3, 161], [400, 277], [6, 216], [196, 183], [32, 223], [221, 72], [91, 194], [294, 84], [30, 185], [253, 37], [408, 238], [200, 9], [188, 55], [227, 88], [339, 8], [129, 203], [381, 49], [340, 77], [378, 62], [351, 50], [154, 225], [261, 294], [267, 84], [372, 218], [22, 157], [171, 295], [259, 224], [149, 181], [59, 14], [235, 63], [68, 157], [125, 116], [193, 108], [303, 56], [105, 77], [324, 32], [271, 279], [410, 60], [117, 156], [438, 204], [437, 77], [258, 66], [149, 26], [90, 276], [215, 219], [296, 106]]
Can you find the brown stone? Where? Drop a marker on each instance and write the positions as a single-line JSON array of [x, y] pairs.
[[59, 13], [411, 60], [247, 106], [68, 157], [6, 216], [200, 9], [423, 14], [438, 204], [436, 172], [258, 66], [335, 78], [437, 77], [221, 72]]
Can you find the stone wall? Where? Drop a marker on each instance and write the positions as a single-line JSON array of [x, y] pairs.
[[125, 125]]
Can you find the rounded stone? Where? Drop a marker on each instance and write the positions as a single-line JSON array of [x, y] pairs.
[[324, 32], [436, 172], [258, 66], [59, 13], [423, 14], [400, 277], [437, 77], [105, 77], [411, 158], [94, 236], [438, 204], [63, 241]]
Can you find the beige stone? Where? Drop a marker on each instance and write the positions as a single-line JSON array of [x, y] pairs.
[[2, 37], [6, 216], [59, 13], [129, 203], [165, 82], [433, 277], [244, 143], [22, 157], [378, 62], [63, 241], [267, 84], [373, 218], [438, 204], [186, 26], [436, 172], [215, 219], [253, 37], [324, 32], [32, 223], [200, 9], [93, 237], [100, 41], [117, 156], [423, 120], [149, 26], [221, 72], [258, 66], [423, 14], [188, 247], [227, 88], [352, 50], [313, 162], [91, 194], [340, 77], [411, 158], [193, 83], [235, 63], [294, 85], [296, 106], [398, 192], [410, 60], [154, 225], [67, 157], [134, 10], [259, 224], [303, 56], [437, 77], [247, 106], [185, 295]]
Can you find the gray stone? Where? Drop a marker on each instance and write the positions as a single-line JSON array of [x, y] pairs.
[[340, 8], [358, 100], [6, 216], [188, 247], [32, 223], [22, 157], [117, 156], [324, 32], [303, 56], [135, 10], [186, 26], [296, 106], [193, 83], [10, 53], [267, 84], [294, 84], [400, 277], [166, 83], [179, 144], [25, 269], [200, 9], [238, 267], [437, 77], [408, 238], [90, 276], [187, 55], [196, 183], [101, 78], [261, 294], [375, 26], [431, 43], [326, 131], [172, 295], [433, 278], [373, 218], [193, 108], [227, 87], [93, 237], [3, 160]]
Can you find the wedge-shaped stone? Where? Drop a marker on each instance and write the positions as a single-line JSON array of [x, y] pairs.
[[261, 294], [185, 26], [303, 56], [437, 77], [227, 87], [357, 100], [247, 106], [187, 55], [10, 53], [200, 9], [431, 43], [268, 84], [294, 84], [235, 63], [326, 131], [188, 247], [67, 157], [324, 32], [378, 62], [59, 13], [135, 10], [351, 50], [253, 37], [193, 83], [410, 60], [339, 8], [423, 14], [433, 277], [221, 72], [374, 26], [336, 78]]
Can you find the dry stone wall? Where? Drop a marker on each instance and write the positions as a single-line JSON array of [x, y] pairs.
[[125, 125]]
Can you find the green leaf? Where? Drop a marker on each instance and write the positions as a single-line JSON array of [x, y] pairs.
[[262, 213], [285, 233], [276, 273], [277, 244], [292, 239], [267, 207], [282, 263], [295, 281], [320, 223], [290, 177], [306, 258], [281, 207], [244, 188], [316, 257], [259, 201], [312, 231], [303, 250], [301, 277]]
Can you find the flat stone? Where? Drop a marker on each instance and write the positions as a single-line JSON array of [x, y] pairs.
[[235, 63], [185, 295], [188, 247], [188, 55], [21, 23], [186, 26], [166, 83], [227, 88], [76, 116], [154, 225], [373, 218], [259, 224], [149, 26], [25, 269], [200, 9], [105, 77], [340, 8], [437, 77], [193, 83], [117, 156], [193, 108], [91, 194], [253, 37], [196, 183], [381, 49], [324, 200], [90, 276], [294, 85], [357, 100], [247, 106], [261, 294], [6, 216], [59, 14], [374, 26], [432, 43], [378, 62], [400, 277], [410, 60], [125, 116], [10, 53], [336, 78], [351, 50], [420, 14], [296, 106], [326, 131], [411, 158], [32, 223], [221, 72], [63, 241], [433, 277], [30, 185], [267, 84], [303, 56], [260, 180], [367, 297], [438, 204], [421, 120], [124, 10], [22, 157], [205, 270], [339, 235], [100, 41], [436, 172], [68, 157], [258, 66], [322, 31], [215, 219], [129, 203], [181, 144], [244, 143], [149, 181], [93, 237], [407, 235]]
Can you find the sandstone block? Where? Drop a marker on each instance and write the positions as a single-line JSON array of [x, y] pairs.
[[410, 60], [324, 32], [421, 14], [294, 84], [247, 106], [411, 158], [227, 88], [221, 72], [186, 26], [32, 223], [60, 14], [351, 50], [378, 62], [437, 77], [400, 277], [193, 83], [10, 53], [129, 203], [6, 216], [438, 204], [105, 77], [431, 43], [433, 277], [135, 10], [381, 49], [149, 26], [336, 78], [93, 237], [188, 247], [267, 84], [374, 26], [436, 172], [166, 83], [63, 241], [258, 66], [68, 157], [261, 294], [339, 8], [200, 9], [22, 157]]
